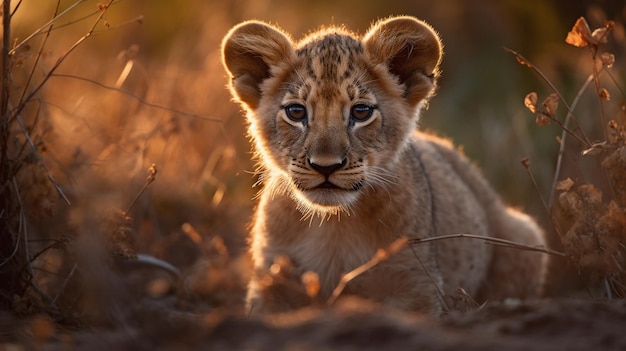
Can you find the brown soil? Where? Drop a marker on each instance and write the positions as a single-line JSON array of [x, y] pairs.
[[352, 325]]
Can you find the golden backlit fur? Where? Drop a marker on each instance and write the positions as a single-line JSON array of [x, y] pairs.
[[344, 172]]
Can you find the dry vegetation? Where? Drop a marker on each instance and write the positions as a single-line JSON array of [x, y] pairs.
[[592, 229], [124, 183]]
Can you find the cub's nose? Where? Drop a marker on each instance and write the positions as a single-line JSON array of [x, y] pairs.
[[326, 168]]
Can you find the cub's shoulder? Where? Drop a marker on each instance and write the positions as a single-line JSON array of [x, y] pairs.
[[425, 141]]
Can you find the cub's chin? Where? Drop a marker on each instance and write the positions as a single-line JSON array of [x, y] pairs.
[[325, 200]]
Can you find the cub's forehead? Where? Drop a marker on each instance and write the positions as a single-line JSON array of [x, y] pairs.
[[330, 39], [331, 57]]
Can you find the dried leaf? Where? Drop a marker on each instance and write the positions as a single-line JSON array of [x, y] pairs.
[[311, 283], [580, 35], [565, 184], [525, 162], [571, 203], [521, 61], [530, 101], [551, 103], [599, 35], [590, 194], [542, 120], [604, 94], [607, 59], [595, 149]]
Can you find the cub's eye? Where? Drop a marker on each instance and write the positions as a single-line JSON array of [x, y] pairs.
[[296, 112], [361, 112]]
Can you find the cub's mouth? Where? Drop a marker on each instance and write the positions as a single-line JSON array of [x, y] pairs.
[[332, 186], [327, 185], [326, 197]]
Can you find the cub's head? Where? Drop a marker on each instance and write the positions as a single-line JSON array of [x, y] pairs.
[[331, 114]]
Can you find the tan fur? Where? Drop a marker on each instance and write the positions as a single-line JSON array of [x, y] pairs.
[[345, 173]]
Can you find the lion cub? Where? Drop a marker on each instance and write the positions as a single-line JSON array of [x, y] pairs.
[[333, 120]]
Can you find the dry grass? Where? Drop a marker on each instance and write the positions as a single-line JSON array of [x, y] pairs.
[[79, 132]]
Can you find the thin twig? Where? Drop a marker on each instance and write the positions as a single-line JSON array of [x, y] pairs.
[[21, 225], [76, 44], [596, 83], [522, 60], [526, 163], [55, 244], [6, 84], [137, 19], [619, 87], [502, 242], [37, 57], [41, 161], [140, 99], [16, 7], [64, 285], [23, 230], [10, 257], [442, 296], [17, 111], [152, 172], [381, 255], [559, 160], [71, 22], [40, 29], [569, 131]]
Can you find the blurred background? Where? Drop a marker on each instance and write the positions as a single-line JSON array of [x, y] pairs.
[[148, 88]]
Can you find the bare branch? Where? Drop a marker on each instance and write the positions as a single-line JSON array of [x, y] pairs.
[[501, 242], [40, 159], [37, 57], [381, 255], [152, 172], [6, 83], [526, 163], [42, 28], [64, 285], [559, 161], [16, 7], [522, 60], [103, 10], [140, 99]]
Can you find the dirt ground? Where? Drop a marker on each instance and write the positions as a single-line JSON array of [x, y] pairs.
[[551, 324], [140, 307]]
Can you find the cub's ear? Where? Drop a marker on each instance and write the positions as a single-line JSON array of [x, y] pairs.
[[249, 51], [411, 50]]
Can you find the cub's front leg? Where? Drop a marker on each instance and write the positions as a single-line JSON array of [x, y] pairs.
[[276, 287], [402, 283]]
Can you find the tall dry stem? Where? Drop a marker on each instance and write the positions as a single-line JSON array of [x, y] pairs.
[[11, 248]]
